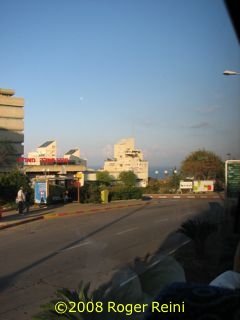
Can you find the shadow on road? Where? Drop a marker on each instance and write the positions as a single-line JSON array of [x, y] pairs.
[[7, 280]]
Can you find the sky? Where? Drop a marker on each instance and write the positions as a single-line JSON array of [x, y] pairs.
[[93, 72]]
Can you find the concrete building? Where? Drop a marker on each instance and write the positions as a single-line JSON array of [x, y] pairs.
[[47, 151], [73, 156], [127, 158], [44, 162], [11, 130], [53, 170]]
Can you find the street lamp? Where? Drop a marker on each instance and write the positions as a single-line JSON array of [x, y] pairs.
[[230, 73], [175, 180], [156, 173]]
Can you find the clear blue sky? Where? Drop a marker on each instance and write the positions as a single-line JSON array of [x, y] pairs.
[[95, 71]]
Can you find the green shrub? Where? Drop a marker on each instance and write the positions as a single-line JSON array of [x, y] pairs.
[[90, 193], [67, 296], [125, 193]]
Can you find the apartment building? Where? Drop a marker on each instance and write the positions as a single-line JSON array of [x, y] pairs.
[[73, 156], [127, 158], [45, 152], [11, 129]]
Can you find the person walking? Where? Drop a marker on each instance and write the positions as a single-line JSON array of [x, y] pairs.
[[20, 200], [27, 201]]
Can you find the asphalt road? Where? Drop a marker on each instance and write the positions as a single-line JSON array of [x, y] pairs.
[[40, 257]]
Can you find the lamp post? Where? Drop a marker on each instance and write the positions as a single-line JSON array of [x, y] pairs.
[[156, 173], [230, 73], [175, 179], [77, 184]]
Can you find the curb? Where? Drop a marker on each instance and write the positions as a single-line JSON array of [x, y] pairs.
[[62, 214], [2, 210], [18, 223]]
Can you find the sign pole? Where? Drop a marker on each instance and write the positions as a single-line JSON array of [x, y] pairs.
[[79, 185], [79, 178]]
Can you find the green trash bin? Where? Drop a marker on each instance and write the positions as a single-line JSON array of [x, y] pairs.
[[104, 196]]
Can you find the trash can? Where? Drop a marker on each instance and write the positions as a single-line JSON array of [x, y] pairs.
[[104, 196]]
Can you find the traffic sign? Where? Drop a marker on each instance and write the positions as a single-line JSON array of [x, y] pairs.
[[80, 177], [232, 178]]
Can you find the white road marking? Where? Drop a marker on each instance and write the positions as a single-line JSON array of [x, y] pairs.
[[186, 214], [126, 230], [161, 220], [155, 262], [182, 244], [77, 246]]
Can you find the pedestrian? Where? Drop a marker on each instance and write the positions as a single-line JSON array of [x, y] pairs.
[[27, 201], [20, 200], [66, 197]]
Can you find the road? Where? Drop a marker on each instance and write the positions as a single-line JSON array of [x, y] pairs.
[[40, 257]]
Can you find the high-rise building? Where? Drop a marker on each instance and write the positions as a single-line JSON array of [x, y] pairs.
[[127, 158], [11, 129]]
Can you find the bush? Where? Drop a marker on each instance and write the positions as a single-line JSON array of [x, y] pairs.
[[90, 193], [125, 193]]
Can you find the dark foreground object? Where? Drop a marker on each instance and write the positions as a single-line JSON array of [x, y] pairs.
[[195, 302]]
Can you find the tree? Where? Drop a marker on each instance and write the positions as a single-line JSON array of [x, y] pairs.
[[128, 178], [104, 178], [202, 164], [11, 182], [174, 181]]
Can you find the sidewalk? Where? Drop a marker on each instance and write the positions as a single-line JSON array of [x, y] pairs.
[[12, 218]]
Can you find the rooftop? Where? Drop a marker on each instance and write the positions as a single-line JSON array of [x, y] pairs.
[[7, 92], [72, 151], [45, 144]]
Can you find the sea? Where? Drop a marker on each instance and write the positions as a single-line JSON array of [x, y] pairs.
[[152, 170], [159, 172]]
